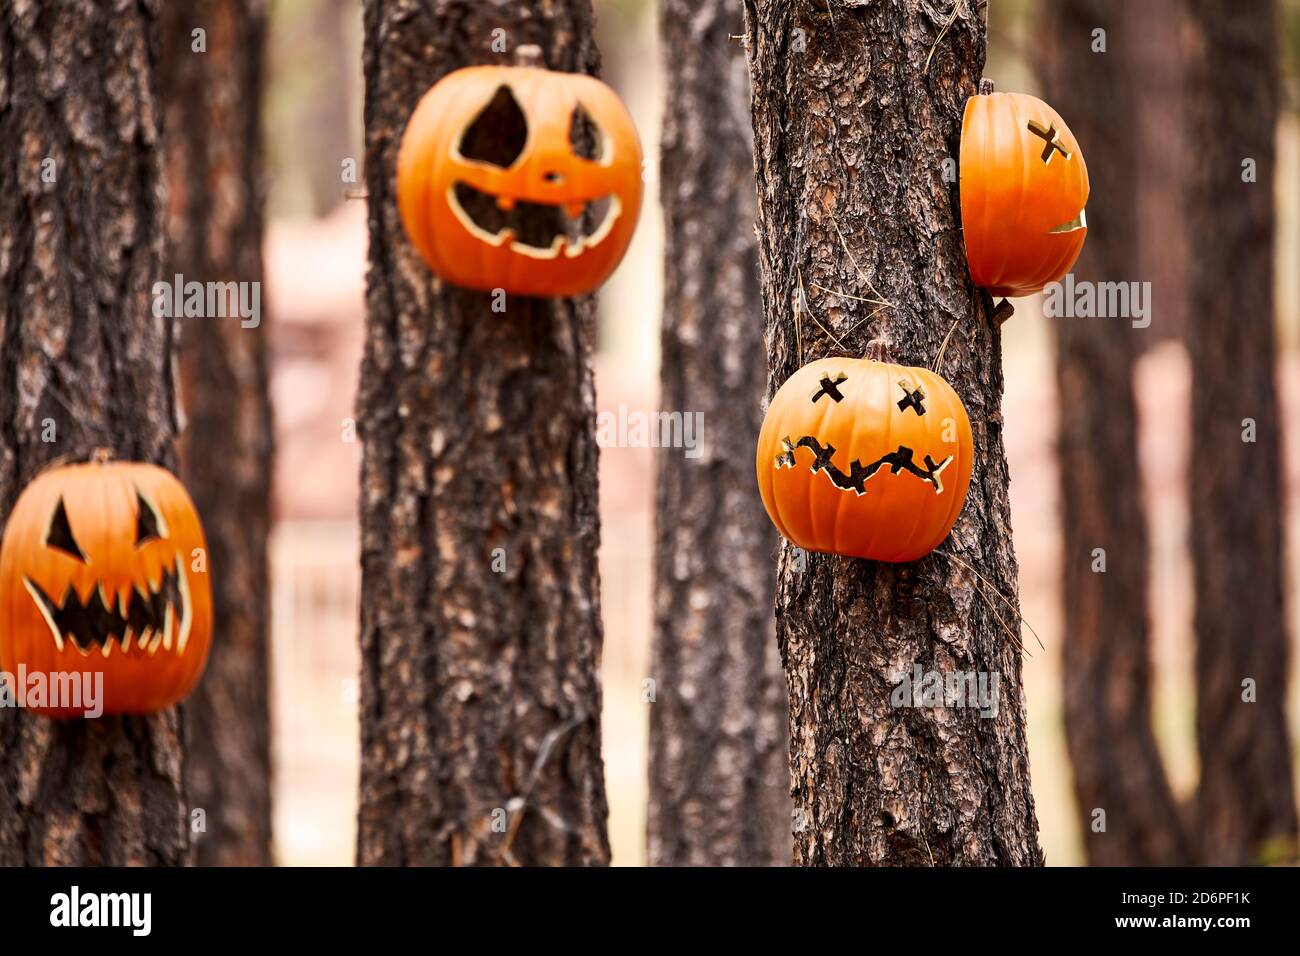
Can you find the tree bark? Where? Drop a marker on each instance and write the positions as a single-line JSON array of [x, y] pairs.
[[80, 248], [480, 703], [852, 127], [719, 769], [1246, 807], [1127, 811], [213, 158]]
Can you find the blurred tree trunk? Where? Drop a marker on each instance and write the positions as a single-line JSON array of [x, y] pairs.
[[851, 132], [213, 158], [719, 770], [80, 249], [1245, 806], [480, 705], [1107, 669]]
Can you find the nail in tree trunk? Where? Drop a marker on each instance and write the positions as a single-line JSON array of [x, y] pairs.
[[213, 159], [851, 131], [480, 610], [84, 364], [1245, 805], [1126, 810], [719, 771]]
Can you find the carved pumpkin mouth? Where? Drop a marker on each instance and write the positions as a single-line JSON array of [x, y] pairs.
[[858, 475], [1074, 225], [150, 616], [540, 230]]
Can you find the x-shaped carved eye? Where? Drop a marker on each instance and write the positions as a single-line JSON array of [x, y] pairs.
[[1052, 141], [830, 388], [59, 534], [149, 525], [911, 399]]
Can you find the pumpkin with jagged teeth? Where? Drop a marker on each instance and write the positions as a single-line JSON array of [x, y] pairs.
[[103, 569]]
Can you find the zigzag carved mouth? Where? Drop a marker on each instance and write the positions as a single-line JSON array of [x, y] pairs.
[[149, 617], [859, 474], [540, 230]]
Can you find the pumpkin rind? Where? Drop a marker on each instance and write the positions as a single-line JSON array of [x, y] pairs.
[[1012, 200], [547, 172], [101, 501], [900, 514]]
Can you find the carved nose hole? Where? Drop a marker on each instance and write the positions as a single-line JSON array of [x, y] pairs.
[[553, 177]]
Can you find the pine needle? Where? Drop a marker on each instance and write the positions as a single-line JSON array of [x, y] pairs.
[[955, 7], [1005, 600]]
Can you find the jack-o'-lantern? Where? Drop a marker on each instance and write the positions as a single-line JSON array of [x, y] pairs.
[[865, 458], [103, 569], [1024, 186], [520, 178]]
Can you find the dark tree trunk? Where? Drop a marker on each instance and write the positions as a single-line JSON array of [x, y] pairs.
[[719, 770], [851, 134], [1107, 670], [480, 705], [79, 345], [213, 158], [1246, 807]]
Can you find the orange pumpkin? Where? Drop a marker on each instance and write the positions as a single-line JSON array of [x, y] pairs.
[[520, 178], [864, 458], [1024, 186], [104, 569]]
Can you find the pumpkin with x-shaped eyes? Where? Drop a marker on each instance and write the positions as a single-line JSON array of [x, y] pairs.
[[520, 178], [103, 569], [865, 458], [1024, 186]]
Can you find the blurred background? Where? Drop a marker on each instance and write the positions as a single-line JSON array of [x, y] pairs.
[[315, 253]]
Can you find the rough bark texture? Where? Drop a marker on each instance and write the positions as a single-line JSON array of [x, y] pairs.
[[213, 161], [80, 346], [1246, 808], [1107, 669], [851, 134], [480, 697], [719, 771]]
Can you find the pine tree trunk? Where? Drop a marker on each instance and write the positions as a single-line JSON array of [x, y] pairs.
[[213, 155], [1117, 766], [80, 248], [1246, 807], [719, 771], [480, 702], [852, 128]]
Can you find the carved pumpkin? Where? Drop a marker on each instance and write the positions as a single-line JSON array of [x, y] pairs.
[[520, 178], [1024, 186], [97, 574], [865, 458]]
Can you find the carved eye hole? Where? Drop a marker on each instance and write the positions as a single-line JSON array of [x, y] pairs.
[[59, 534], [912, 398], [1051, 141], [149, 525], [498, 134], [584, 135], [830, 388]]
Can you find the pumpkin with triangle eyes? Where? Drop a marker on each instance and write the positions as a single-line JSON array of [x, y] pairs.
[[103, 569], [1023, 187], [865, 458], [520, 178]]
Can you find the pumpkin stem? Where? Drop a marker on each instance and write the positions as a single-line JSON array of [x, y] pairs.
[[878, 350], [101, 456], [528, 54], [986, 86]]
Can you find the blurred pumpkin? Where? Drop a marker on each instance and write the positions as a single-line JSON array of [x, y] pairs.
[[520, 178], [1024, 186], [97, 574], [864, 458]]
